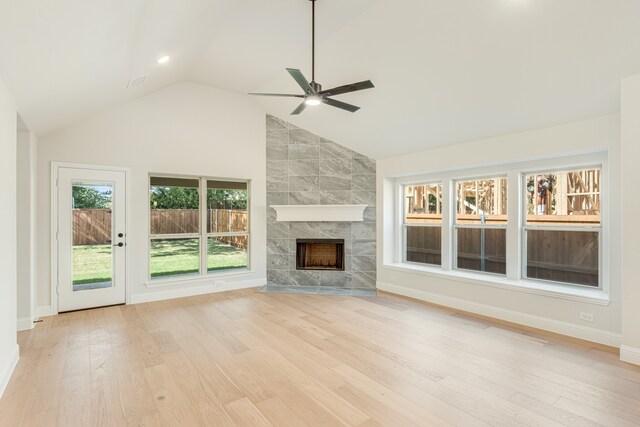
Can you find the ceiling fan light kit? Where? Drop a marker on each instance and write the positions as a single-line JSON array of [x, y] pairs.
[[313, 93]]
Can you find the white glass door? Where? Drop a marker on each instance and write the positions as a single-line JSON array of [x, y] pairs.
[[91, 238]]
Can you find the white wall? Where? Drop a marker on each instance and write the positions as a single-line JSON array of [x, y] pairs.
[[542, 311], [26, 227], [182, 129], [8, 344], [630, 137]]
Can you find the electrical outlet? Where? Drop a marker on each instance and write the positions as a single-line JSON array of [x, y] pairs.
[[587, 317]]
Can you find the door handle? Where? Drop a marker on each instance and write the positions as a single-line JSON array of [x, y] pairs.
[[119, 245]]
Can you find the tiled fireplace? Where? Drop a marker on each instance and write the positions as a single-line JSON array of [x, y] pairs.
[[305, 169]]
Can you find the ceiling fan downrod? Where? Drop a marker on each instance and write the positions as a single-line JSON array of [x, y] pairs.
[[313, 43], [313, 93]]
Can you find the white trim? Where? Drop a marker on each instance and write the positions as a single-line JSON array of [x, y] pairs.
[[601, 229], [577, 331], [307, 213], [549, 289], [203, 239], [630, 354], [550, 161], [210, 288], [7, 371], [194, 278], [515, 203], [203, 235], [24, 324], [54, 236], [44, 311], [55, 166]]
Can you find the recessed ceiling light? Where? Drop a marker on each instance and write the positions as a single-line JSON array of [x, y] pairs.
[[164, 59]]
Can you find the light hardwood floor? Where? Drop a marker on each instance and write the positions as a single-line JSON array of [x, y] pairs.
[[251, 359]]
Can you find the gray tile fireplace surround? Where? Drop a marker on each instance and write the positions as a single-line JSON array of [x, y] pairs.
[[305, 169]]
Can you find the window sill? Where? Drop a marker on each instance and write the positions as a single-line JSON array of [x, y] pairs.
[[590, 296], [195, 278]]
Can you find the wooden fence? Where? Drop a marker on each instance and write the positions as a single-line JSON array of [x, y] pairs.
[[93, 226], [561, 256]]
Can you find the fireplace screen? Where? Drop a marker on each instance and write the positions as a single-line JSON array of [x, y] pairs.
[[319, 254]]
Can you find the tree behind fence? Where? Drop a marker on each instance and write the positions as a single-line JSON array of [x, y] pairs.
[[93, 226]]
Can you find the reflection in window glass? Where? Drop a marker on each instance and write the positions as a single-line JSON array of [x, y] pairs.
[[423, 203], [175, 204], [227, 225], [424, 245], [481, 201], [92, 253], [227, 204], [563, 256], [423, 223], [564, 198], [482, 249], [227, 252], [174, 257]]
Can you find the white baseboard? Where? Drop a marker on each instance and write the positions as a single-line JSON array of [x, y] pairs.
[[24, 324], [44, 311], [630, 354], [564, 328], [195, 290], [7, 369]]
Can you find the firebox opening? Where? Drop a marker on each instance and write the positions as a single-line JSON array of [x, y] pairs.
[[320, 254]]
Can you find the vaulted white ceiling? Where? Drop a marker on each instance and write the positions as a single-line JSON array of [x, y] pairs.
[[445, 71]]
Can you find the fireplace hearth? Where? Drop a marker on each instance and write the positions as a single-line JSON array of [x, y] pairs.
[[320, 254]]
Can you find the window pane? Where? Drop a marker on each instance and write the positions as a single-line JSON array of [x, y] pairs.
[[482, 249], [481, 201], [92, 230], [563, 256], [564, 198], [227, 207], [227, 252], [424, 245], [174, 206], [175, 257], [423, 203]]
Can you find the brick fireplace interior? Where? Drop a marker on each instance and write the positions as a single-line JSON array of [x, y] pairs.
[[320, 254]]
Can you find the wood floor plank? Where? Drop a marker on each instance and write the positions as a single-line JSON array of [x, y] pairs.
[[197, 389], [172, 403], [248, 358], [244, 413], [279, 414]]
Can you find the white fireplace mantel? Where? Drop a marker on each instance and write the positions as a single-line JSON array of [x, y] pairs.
[[313, 213]]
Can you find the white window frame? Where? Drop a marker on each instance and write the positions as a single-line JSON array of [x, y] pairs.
[[526, 227], [203, 234], [515, 279], [206, 235], [405, 224], [456, 226]]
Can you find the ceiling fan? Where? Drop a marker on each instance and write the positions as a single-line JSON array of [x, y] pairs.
[[313, 93]]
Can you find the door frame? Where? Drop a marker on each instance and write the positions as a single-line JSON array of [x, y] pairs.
[[55, 167]]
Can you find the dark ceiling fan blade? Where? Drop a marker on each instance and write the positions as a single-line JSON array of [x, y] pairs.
[[340, 104], [353, 87], [278, 94], [299, 109], [301, 79]]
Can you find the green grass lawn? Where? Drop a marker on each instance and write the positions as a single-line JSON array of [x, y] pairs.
[[92, 264]]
